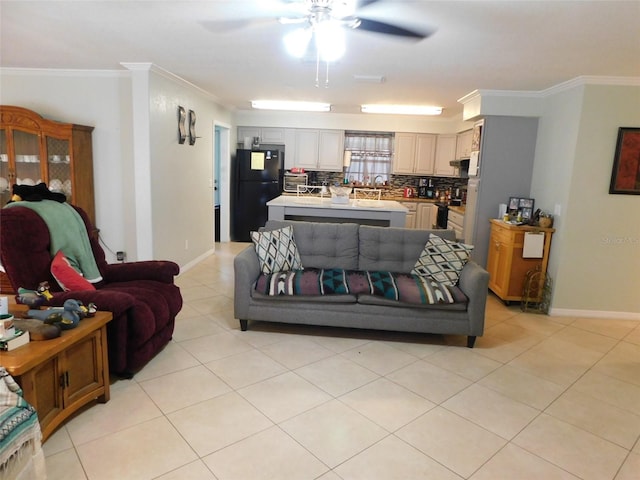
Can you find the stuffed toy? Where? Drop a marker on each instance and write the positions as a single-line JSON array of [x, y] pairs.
[[66, 317], [34, 298], [35, 193], [37, 329]]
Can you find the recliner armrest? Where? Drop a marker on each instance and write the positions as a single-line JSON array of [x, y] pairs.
[[159, 270]]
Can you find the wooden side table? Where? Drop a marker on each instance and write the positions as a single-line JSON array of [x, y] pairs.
[[505, 262], [61, 375]]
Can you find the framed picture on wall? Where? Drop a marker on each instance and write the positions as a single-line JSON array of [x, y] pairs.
[[625, 177]]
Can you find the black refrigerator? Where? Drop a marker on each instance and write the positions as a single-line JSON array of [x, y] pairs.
[[257, 178]]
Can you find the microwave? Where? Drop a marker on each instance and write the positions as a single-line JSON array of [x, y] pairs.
[[293, 180]]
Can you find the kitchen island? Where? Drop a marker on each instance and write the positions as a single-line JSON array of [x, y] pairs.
[[385, 213]]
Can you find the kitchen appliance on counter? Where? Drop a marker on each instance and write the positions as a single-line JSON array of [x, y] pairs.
[[426, 188], [293, 180], [257, 178], [409, 192]]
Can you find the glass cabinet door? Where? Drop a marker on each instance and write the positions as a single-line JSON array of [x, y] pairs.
[[27, 157], [5, 178], [59, 166]]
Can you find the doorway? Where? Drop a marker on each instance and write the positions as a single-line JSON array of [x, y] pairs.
[[221, 182]]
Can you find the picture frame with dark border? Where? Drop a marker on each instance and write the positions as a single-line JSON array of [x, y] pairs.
[[625, 176], [522, 206]]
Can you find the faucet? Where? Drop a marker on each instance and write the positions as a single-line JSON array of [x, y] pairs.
[[375, 180]]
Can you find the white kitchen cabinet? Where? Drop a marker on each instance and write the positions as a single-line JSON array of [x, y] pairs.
[[426, 216], [463, 144], [414, 153], [319, 149], [268, 135], [404, 153], [248, 132], [331, 150], [455, 221], [289, 148], [410, 219], [445, 152], [306, 151]]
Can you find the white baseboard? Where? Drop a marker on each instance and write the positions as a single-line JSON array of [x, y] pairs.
[[566, 312], [196, 260]]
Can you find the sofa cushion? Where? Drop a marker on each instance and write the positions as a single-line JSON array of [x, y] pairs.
[[442, 260], [277, 250], [393, 249], [324, 245]]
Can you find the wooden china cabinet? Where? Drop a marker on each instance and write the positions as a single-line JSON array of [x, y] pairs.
[[34, 149]]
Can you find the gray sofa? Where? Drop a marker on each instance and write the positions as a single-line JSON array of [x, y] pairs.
[[359, 247]]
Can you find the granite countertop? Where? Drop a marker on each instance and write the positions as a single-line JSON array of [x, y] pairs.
[[325, 203], [460, 209]]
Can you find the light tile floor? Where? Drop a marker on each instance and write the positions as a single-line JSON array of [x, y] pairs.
[[538, 398]]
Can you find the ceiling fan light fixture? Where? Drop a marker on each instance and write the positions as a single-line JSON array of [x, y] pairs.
[[330, 40], [297, 41], [401, 109], [291, 105]]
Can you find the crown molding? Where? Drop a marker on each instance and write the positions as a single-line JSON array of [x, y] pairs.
[[62, 72], [555, 89]]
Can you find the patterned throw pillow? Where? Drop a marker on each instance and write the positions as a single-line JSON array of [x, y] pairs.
[[442, 260], [277, 250]]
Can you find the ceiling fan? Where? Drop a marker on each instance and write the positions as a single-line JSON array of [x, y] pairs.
[[343, 13], [325, 22]]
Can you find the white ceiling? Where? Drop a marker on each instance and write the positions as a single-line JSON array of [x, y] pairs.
[[233, 48]]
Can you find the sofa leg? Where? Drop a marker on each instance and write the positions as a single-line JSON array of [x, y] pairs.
[[243, 325], [471, 340]]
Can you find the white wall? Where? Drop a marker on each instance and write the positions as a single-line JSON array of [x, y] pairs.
[[181, 174], [101, 99], [346, 121], [181, 196], [596, 252]]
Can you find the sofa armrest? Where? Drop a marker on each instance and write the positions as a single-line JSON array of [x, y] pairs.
[[159, 270], [246, 268], [474, 282]]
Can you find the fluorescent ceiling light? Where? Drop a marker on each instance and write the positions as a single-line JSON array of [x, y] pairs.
[[289, 105], [401, 109]]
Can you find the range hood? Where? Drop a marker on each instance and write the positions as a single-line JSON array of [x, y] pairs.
[[460, 162]]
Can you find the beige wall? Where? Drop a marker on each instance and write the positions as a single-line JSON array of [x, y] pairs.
[[596, 252], [101, 99], [181, 175]]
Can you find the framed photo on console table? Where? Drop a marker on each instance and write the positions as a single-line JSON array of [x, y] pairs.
[[522, 206], [625, 177]]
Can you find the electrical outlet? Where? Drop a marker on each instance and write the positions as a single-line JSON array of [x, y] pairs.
[[186, 244], [120, 256]]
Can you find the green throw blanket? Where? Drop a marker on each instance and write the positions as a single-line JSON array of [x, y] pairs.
[[68, 233]]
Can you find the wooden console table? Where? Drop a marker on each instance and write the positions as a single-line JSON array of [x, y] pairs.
[[61, 375], [506, 264]]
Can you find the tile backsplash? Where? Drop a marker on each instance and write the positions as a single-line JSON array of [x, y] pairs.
[[397, 183]]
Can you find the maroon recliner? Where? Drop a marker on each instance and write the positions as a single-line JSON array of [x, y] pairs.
[[141, 295]]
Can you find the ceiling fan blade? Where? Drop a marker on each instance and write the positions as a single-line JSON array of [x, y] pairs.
[[364, 3], [388, 29]]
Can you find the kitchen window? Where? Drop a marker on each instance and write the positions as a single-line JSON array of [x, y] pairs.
[[371, 156]]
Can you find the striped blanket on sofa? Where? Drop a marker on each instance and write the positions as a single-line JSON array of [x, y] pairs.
[[402, 287]]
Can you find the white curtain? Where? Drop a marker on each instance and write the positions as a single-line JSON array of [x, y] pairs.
[[371, 156]]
